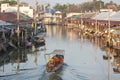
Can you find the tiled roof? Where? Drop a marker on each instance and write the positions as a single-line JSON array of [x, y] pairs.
[[12, 17]]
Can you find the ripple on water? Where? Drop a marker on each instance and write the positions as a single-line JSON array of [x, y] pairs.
[[66, 72], [74, 73]]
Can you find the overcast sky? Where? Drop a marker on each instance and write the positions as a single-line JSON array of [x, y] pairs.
[[53, 2]]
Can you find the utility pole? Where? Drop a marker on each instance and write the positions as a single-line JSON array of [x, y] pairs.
[[109, 36], [18, 20], [44, 7], [35, 12], [100, 5]]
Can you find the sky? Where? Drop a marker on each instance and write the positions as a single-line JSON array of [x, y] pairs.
[[53, 2]]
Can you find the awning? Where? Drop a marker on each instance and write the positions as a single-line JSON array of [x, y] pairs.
[[3, 23]]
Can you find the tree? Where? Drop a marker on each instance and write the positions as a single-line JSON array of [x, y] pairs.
[[110, 3], [92, 6], [11, 2], [118, 7], [63, 8]]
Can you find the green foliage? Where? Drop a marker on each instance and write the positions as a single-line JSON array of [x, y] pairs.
[[95, 5], [91, 6], [87, 6], [62, 8], [45, 6], [118, 7], [11, 2]]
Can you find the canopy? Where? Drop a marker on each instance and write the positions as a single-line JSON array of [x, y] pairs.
[[103, 15], [57, 51], [2, 23], [115, 17], [76, 16]]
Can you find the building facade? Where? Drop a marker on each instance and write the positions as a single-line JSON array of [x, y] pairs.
[[51, 17], [24, 8]]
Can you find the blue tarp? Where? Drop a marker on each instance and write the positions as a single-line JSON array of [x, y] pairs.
[[51, 11]]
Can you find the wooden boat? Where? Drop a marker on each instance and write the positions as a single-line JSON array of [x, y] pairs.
[[28, 44], [56, 61], [39, 40]]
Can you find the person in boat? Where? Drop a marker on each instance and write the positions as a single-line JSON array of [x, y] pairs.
[[54, 62], [51, 62], [58, 59], [50, 65]]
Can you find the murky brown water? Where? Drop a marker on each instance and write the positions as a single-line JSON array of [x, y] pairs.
[[84, 59]]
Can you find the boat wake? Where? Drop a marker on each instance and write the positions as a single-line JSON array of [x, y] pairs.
[[63, 73], [74, 73], [40, 74]]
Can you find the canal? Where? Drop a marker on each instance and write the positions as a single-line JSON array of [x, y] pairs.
[[84, 59]]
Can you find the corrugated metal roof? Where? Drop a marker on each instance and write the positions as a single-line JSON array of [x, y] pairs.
[[103, 15], [115, 17], [50, 11], [88, 15]]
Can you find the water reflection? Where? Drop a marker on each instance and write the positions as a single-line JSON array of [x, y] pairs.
[[116, 61], [51, 76], [112, 55], [55, 77], [12, 62], [61, 32], [86, 57]]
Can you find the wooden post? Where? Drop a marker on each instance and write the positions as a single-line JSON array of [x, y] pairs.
[[18, 20], [35, 10], [109, 46]]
